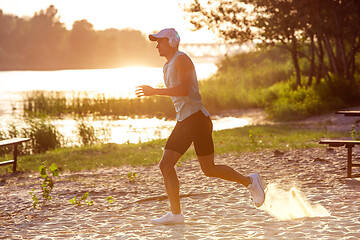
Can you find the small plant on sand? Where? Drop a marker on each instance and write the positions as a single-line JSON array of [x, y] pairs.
[[132, 176], [355, 134], [34, 198], [78, 202], [110, 199], [47, 184]]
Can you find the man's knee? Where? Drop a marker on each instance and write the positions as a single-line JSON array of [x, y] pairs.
[[168, 161], [165, 166], [208, 171]]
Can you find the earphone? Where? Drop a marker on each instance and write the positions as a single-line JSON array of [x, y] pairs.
[[174, 40]]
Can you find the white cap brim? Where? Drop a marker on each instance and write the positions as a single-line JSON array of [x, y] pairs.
[[169, 33], [153, 37]]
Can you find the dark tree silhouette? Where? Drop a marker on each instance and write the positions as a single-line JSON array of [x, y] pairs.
[[42, 42]]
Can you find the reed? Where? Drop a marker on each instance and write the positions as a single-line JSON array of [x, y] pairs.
[[57, 104], [45, 136]]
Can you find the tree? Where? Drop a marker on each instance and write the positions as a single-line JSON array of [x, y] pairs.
[[311, 29], [42, 42], [82, 42], [45, 36]]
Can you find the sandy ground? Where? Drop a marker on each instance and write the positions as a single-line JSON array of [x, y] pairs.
[[308, 197]]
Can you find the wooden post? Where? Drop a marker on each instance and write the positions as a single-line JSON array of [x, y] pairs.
[[349, 160], [15, 157]]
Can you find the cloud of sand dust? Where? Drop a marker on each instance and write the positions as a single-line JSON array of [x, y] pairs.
[[292, 204]]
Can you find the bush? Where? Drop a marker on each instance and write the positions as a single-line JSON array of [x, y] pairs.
[[283, 101], [240, 78], [86, 133], [44, 136], [12, 132]]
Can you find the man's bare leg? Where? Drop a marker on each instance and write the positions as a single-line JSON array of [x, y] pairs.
[[251, 182], [171, 181], [221, 171]]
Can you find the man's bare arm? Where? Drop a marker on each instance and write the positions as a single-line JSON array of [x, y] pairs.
[[184, 67]]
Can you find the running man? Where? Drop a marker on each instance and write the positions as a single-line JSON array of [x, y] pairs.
[[193, 126]]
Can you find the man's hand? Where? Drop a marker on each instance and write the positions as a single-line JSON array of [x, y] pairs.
[[144, 90]]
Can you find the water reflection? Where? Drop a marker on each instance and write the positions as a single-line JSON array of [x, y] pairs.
[[126, 129], [117, 82], [111, 82], [136, 130]]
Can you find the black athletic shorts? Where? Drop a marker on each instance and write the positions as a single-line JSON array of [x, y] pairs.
[[196, 128]]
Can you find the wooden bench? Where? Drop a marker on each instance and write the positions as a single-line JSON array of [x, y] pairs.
[[349, 144], [349, 113], [14, 142]]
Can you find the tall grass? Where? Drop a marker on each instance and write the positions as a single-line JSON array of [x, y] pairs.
[[45, 136], [56, 104], [239, 140]]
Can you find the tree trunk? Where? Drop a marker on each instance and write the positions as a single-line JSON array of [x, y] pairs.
[[355, 45], [331, 56], [321, 62], [312, 60], [294, 56], [341, 57]]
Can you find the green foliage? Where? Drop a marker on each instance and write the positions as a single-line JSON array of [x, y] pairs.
[[12, 131], [305, 28], [84, 198], [355, 134], [262, 78], [86, 133], [44, 135], [35, 199], [284, 101], [110, 199], [47, 185], [55, 104], [265, 79], [38, 103], [147, 154], [132, 176], [240, 79], [251, 136], [48, 182], [346, 89]]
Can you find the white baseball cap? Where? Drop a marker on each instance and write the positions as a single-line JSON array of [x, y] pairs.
[[170, 33]]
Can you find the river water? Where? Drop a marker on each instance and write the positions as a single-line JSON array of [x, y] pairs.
[[119, 82]]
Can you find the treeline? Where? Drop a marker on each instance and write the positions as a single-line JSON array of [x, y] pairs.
[[42, 42], [324, 32]]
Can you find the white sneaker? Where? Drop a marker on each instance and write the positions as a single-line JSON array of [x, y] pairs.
[[256, 189], [169, 218]]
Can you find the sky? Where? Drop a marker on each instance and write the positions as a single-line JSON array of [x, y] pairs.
[[144, 15]]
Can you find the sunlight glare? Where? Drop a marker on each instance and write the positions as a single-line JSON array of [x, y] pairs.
[[146, 16]]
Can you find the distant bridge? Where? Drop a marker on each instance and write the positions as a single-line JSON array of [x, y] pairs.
[[213, 51]]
